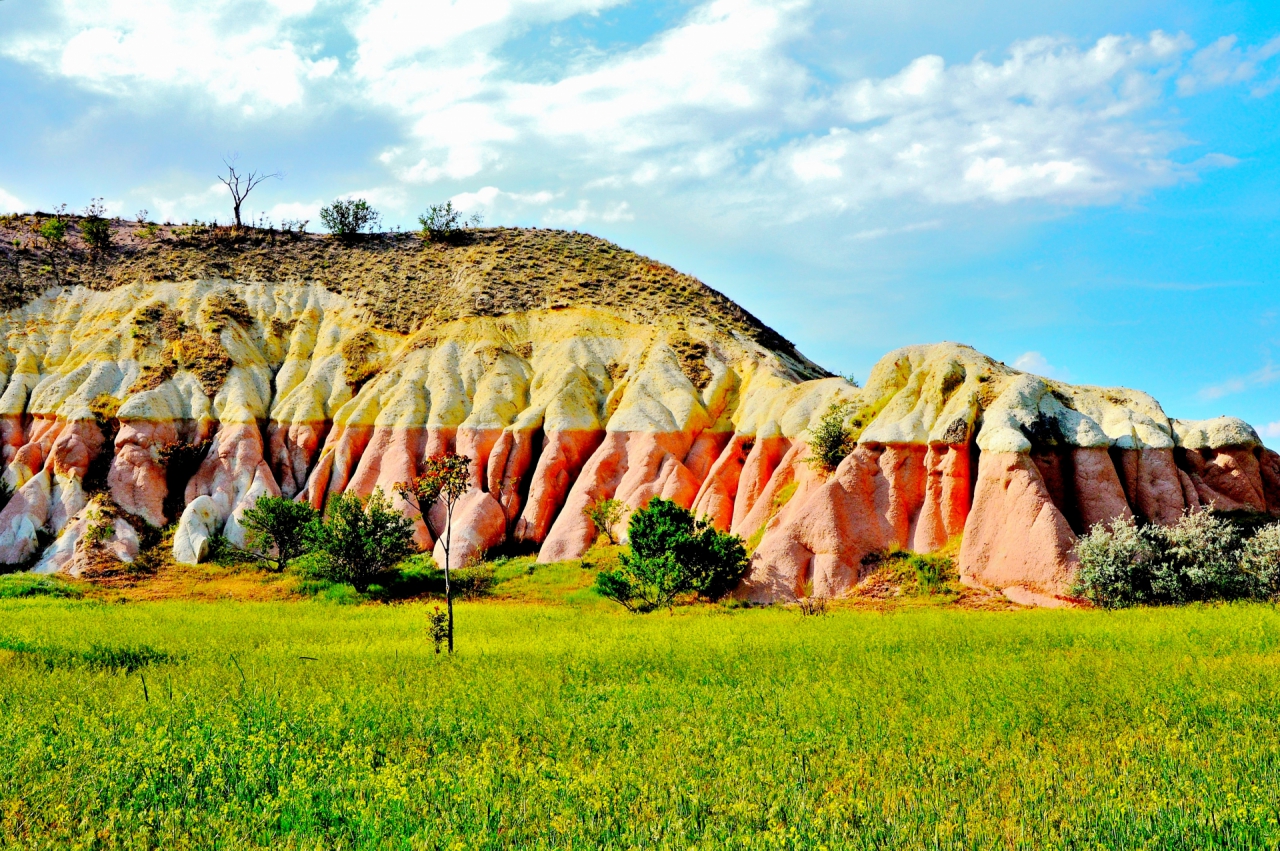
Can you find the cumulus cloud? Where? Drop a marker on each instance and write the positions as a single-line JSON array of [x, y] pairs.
[[719, 112], [10, 203], [1225, 63], [299, 211], [1271, 430], [489, 197], [1051, 121], [1035, 363], [237, 53]]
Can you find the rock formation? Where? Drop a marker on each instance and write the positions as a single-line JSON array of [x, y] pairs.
[[130, 401]]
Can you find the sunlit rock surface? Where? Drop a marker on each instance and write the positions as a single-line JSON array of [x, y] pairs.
[[186, 402]]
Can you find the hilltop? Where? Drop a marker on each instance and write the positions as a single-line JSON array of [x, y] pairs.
[[403, 281]]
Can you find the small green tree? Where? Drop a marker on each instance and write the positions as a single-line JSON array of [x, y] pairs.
[[673, 553], [53, 230], [830, 441], [444, 222], [282, 525], [347, 219], [361, 540], [603, 514], [95, 229], [444, 479], [437, 627]]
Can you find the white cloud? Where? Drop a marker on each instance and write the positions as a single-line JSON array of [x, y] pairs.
[[201, 204], [881, 233], [1224, 63], [491, 196], [1034, 362], [10, 203], [1270, 429], [301, 211], [584, 212], [238, 53], [1051, 121], [721, 113], [1264, 377]]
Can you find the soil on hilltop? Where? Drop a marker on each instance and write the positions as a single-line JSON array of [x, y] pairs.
[[404, 281]]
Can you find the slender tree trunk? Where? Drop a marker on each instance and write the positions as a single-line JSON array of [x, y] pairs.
[[448, 591]]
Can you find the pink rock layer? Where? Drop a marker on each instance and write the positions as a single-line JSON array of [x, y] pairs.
[[51, 458], [1019, 527], [1020, 515]]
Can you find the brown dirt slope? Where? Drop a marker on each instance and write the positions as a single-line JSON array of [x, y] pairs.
[[404, 282]]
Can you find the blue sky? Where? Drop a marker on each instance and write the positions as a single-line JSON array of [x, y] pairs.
[[1090, 191]]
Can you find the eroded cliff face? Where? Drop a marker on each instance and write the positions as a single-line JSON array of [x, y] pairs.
[[154, 402]]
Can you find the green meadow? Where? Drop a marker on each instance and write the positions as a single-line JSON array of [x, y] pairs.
[[323, 726]]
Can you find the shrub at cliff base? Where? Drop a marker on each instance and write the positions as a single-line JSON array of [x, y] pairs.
[[672, 553], [361, 540], [1203, 557], [281, 529], [291, 726]]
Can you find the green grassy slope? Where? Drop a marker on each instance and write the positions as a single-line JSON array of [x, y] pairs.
[[307, 725]]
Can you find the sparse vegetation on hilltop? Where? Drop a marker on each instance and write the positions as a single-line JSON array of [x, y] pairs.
[[404, 282], [347, 219]]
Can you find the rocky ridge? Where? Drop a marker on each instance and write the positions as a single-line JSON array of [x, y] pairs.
[[133, 397]]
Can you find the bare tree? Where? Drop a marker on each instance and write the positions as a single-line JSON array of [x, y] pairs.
[[242, 184]]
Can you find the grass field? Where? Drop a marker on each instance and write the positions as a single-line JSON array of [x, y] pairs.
[[314, 725]]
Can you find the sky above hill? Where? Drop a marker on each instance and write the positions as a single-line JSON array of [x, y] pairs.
[[1090, 192]]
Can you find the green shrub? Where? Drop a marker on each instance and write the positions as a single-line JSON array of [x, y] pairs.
[[281, 525], [95, 229], [438, 627], [1116, 565], [1198, 558], [603, 514], [53, 231], [361, 540], [475, 581], [933, 571], [1260, 559], [444, 222], [672, 553], [1202, 557], [831, 440], [348, 219]]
